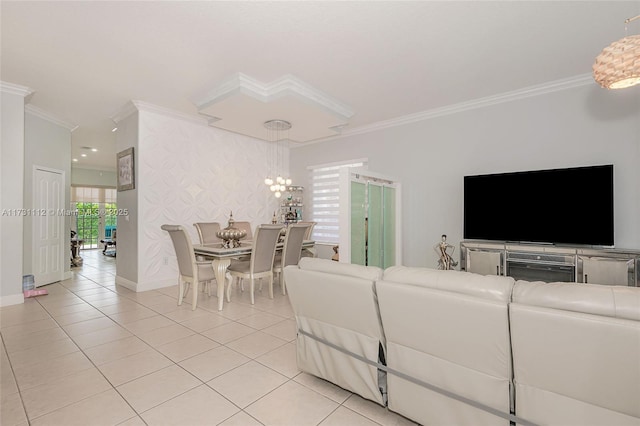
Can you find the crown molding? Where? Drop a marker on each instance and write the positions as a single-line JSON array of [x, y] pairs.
[[287, 85], [134, 106], [15, 89], [527, 92], [45, 115]]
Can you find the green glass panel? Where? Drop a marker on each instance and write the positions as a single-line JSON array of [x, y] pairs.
[[389, 241], [375, 225], [358, 215]]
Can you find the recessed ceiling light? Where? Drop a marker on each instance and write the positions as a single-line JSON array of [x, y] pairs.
[[75, 160], [94, 149], [114, 129], [83, 155]]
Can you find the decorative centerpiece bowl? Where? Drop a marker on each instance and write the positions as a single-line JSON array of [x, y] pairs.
[[231, 235]]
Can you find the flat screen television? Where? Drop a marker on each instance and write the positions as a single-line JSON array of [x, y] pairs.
[[559, 206]]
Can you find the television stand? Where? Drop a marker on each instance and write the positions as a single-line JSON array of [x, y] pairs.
[[551, 263]]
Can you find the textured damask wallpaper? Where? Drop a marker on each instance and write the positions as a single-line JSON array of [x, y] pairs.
[[191, 173]]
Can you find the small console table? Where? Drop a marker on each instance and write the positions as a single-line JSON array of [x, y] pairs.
[[552, 263]]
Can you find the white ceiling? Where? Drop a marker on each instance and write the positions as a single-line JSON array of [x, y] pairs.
[[384, 60]]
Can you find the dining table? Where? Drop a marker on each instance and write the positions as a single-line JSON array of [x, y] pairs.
[[221, 259]]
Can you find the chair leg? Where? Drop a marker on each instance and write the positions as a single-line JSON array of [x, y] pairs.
[[180, 290], [252, 288], [229, 288], [281, 277], [194, 301], [271, 286]]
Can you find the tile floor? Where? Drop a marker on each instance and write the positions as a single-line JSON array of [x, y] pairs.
[[93, 353]]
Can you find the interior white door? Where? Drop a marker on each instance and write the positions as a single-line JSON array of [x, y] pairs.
[[48, 226]]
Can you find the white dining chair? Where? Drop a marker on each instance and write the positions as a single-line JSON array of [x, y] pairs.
[[190, 271], [292, 250], [261, 263], [309, 252], [207, 232]]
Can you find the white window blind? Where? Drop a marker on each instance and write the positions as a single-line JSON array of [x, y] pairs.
[[325, 199]]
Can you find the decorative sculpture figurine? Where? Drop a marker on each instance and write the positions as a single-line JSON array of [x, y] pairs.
[[230, 235], [445, 260]]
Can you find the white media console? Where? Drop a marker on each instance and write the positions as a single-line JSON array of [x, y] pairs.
[[550, 263]]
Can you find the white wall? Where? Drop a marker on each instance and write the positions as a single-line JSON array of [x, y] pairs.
[[46, 144], [95, 178], [576, 127], [186, 173], [11, 195]]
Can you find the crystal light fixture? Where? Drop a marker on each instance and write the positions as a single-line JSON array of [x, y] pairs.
[[618, 65], [277, 130]]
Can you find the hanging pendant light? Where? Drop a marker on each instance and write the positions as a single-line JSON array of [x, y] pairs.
[[277, 129], [618, 65]]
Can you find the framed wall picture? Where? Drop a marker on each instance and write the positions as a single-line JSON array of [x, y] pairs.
[[126, 168]]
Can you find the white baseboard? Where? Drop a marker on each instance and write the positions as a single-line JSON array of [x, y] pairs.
[[138, 287], [14, 299]]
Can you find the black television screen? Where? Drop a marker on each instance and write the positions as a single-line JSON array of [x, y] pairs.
[[559, 206]]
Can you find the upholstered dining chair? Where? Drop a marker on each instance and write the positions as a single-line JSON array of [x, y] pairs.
[[207, 232], [292, 250], [245, 226], [308, 252], [190, 271], [261, 263]]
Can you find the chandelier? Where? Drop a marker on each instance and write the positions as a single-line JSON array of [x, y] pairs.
[[618, 65], [277, 130]]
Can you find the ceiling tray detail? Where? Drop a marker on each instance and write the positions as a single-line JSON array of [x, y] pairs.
[[242, 104]]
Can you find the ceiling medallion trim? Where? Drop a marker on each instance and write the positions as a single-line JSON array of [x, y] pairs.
[[268, 92], [527, 92]]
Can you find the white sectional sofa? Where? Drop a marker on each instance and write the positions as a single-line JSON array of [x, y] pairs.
[[457, 348]]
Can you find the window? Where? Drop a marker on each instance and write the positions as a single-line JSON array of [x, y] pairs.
[[325, 199], [96, 214]]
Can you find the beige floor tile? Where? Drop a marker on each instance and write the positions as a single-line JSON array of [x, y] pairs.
[[331, 391], [11, 410], [100, 300], [96, 290], [184, 312], [106, 408], [285, 330], [68, 390], [124, 370], [29, 327], [247, 383], [292, 404], [50, 370], [199, 406], [213, 363], [102, 336], [117, 349], [154, 389], [235, 310], [282, 359], [124, 305], [33, 340], [48, 351], [166, 306], [134, 421], [187, 347], [344, 416], [78, 317], [8, 383], [241, 419], [261, 320], [205, 322], [375, 412], [150, 298], [132, 315], [88, 326], [256, 344], [228, 332], [11, 317], [70, 309], [148, 324], [164, 335]]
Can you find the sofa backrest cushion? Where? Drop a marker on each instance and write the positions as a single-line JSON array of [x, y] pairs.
[[449, 329], [490, 287], [336, 302], [611, 301], [576, 352]]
